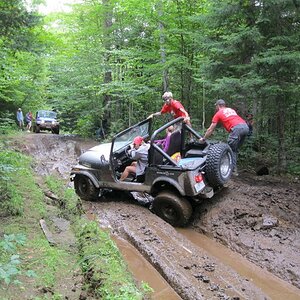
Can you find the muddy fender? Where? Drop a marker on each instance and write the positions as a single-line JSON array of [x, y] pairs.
[[218, 164], [85, 189], [174, 209]]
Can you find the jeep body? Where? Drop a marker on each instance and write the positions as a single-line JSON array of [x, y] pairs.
[[173, 185]]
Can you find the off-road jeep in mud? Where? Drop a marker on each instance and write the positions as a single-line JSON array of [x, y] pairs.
[[46, 120], [173, 186]]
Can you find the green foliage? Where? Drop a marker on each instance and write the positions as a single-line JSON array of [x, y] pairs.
[[11, 200], [49, 261], [108, 69], [8, 123], [10, 261], [68, 200], [102, 263]]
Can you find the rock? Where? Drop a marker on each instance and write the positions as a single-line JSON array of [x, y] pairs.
[[269, 222]]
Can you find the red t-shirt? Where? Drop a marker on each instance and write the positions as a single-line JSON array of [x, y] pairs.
[[228, 117], [173, 108]]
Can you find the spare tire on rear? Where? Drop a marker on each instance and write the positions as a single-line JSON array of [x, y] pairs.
[[219, 164]]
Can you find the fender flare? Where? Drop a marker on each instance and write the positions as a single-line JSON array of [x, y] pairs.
[[170, 181], [89, 175]]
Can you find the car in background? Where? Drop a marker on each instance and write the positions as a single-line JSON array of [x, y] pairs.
[[45, 120]]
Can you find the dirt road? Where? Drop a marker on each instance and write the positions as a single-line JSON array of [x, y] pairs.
[[256, 218]]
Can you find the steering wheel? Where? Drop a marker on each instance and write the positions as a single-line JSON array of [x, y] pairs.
[[127, 152]]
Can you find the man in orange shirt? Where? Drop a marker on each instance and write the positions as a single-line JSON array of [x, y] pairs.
[[234, 124], [173, 107]]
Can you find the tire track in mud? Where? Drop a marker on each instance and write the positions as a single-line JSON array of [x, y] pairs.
[[191, 272]]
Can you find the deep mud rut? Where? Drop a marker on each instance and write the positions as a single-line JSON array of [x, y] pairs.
[[242, 244]]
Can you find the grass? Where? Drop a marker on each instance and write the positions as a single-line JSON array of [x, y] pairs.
[[30, 268], [102, 263]]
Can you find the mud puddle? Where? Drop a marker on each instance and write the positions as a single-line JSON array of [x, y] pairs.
[[143, 271], [267, 282], [139, 267]]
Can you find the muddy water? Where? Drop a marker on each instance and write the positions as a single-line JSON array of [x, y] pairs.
[[274, 287], [139, 267], [142, 270]]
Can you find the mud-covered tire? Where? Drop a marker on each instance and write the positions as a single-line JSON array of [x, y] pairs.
[[219, 164], [55, 130], [172, 208], [85, 189], [37, 129]]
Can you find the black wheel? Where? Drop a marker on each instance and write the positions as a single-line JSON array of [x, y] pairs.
[[173, 208], [85, 189], [55, 130], [37, 129], [218, 164]]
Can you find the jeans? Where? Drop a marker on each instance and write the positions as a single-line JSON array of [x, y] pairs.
[[236, 139]]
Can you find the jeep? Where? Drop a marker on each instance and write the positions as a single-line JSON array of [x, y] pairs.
[[45, 120], [174, 186]]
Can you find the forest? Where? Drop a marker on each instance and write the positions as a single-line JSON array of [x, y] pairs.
[[105, 65]]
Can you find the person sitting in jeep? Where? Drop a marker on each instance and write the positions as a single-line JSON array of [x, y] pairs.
[[138, 152]]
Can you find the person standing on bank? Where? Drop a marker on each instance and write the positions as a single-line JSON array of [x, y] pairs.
[[20, 118], [234, 124], [28, 119], [173, 107]]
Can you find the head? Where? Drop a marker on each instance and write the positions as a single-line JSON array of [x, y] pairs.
[[167, 97], [19, 109], [220, 103], [170, 129], [137, 142]]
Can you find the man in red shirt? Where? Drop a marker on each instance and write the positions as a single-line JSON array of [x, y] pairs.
[[234, 124], [174, 107]]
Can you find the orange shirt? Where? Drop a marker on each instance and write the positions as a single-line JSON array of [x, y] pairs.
[[174, 108], [228, 118]]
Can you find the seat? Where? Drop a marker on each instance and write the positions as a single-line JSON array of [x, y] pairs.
[[175, 143]]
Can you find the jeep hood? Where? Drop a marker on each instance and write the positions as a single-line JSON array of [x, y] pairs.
[[91, 157]]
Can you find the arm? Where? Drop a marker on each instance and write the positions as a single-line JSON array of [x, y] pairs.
[[209, 131], [155, 114]]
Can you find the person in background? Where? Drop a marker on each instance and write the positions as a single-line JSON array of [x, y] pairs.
[[166, 141], [234, 124], [28, 119], [173, 107], [250, 123], [20, 118], [138, 152]]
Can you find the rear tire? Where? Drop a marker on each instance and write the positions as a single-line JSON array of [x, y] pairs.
[[172, 208], [219, 164], [85, 189]]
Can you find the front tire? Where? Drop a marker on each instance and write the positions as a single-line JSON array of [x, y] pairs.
[[219, 164], [85, 189], [172, 208], [55, 130]]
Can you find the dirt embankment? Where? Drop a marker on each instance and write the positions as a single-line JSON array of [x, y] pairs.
[[256, 217]]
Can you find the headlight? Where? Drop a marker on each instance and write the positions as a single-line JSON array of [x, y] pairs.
[[43, 121]]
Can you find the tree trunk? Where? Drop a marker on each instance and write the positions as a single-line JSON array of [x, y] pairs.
[[165, 79], [107, 24], [281, 154]]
